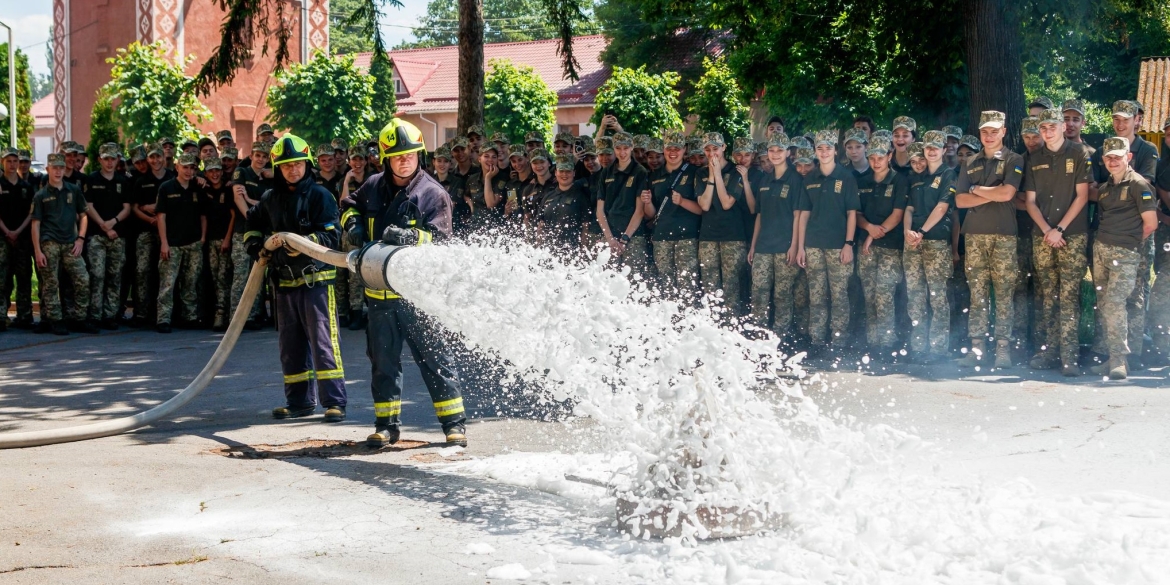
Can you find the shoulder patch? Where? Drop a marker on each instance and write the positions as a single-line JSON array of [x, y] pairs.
[[1146, 195]]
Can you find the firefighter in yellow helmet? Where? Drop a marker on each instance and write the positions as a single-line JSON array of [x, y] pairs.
[[404, 206], [306, 309]]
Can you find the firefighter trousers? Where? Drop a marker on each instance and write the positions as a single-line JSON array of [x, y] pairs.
[[310, 349]]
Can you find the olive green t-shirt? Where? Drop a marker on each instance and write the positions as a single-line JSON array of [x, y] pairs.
[[58, 211], [927, 190], [829, 199], [673, 222], [1121, 205], [1054, 177], [723, 225], [777, 201], [879, 199], [991, 170]]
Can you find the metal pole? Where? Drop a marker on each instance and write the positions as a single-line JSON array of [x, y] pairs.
[[11, 87]]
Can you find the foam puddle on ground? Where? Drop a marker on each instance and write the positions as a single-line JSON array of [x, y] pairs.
[[697, 418]]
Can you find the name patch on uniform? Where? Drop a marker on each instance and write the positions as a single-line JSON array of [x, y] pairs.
[[916, 185], [629, 182], [937, 181], [999, 168], [1068, 166], [784, 192], [889, 191], [973, 170], [1125, 193], [1040, 167], [837, 187], [609, 180], [814, 186], [659, 181]]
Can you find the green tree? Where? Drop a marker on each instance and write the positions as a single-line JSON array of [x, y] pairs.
[[719, 101], [344, 36], [151, 96], [24, 120], [102, 127], [518, 101], [326, 98], [643, 103], [41, 83], [384, 102]]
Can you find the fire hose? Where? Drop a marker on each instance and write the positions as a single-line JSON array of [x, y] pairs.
[[371, 263]]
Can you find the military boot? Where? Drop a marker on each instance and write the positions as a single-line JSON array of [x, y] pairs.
[[976, 356], [1003, 354], [1045, 360], [1119, 370]]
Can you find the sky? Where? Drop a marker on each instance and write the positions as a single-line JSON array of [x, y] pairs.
[[30, 21]]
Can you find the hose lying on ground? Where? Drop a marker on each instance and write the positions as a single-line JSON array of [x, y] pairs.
[[20, 439]]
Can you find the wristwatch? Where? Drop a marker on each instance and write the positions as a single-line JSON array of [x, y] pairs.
[[625, 238], [1059, 229], [850, 243]]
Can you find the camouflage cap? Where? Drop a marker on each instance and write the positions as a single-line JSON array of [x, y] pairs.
[[1074, 105], [828, 136], [991, 119], [486, 147], [952, 132], [565, 137], [324, 150], [109, 150], [74, 147], [674, 139], [1124, 108], [187, 159], [804, 155], [10, 151], [603, 144], [743, 144], [1115, 146], [165, 140], [188, 142], [971, 142], [501, 138], [915, 149], [264, 129], [475, 129], [1141, 109], [878, 146], [800, 142], [459, 142], [261, 146], [230, 153], [623, 139], [1030, 125], [25, 155], [339, 144], [564, 162], [587, 149], [212, 163], [355, 151], [712, 139], [1042, 102], [138, 153], [517, 150], [655, 145], [934, 138], [80, 148], [856, 135], [905, 122], [55, 159], [444, 152], [882, 134], [762, 148], [1164, 126], [693, 145], [641, 141], [154, 148], [540, 153], [1050, 116], [534, 137], [223, 135], [778, 140]]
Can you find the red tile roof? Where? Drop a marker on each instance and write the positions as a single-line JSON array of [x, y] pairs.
[[1154, 92], [42, 111], [431, 76]]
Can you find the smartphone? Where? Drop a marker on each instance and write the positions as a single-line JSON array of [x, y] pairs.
[[511, 194]]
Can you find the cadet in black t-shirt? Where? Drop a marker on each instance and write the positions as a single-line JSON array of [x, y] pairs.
[[986, 188], [828, 225], [926, 257], [725, 198], [144, 196], [16, 250], [675, 211], [182, 229], [220, 208], [619, 209], [563, 210], [326, 173], [108, 195], [883, 194], [776, 240], [455, 186]]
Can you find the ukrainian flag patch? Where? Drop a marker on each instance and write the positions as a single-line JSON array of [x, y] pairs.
[[1019, 170], [1146, 195]]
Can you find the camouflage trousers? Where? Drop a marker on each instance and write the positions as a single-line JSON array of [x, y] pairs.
[[105, 258], [773, 279], [927, 269], [723, 268], [800, 303], [220, 263], [16, 263], [828, 295], [589, 243], [60, 256], [341, 285], [1115, 275], [881, 271], [146, 281], [241, 267], [1058, 275], [180, 271], [1023, 309], [991, 261], [355, 293], [677, 262], [637, 256], [1158, 315]]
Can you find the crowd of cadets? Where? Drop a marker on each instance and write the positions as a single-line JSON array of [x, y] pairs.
[[909, 245]]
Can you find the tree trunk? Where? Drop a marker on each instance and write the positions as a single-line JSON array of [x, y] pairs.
[[991, 36], [470, 64]]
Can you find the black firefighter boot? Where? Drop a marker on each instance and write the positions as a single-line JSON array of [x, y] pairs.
[[384, 434]]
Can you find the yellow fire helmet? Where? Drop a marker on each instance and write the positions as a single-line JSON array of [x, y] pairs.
[[290, 148], [399, 137]]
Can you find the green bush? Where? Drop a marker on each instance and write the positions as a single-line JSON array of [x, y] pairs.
[[517, 101]]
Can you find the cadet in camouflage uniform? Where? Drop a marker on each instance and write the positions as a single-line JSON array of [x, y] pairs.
[[884, 195], [619, 209], [248, 185], [145, 193], [676, 214], [828, 227], [58, 229], [776, 241], [1128, 208], [182, 228], [1158, 314], [987, 187], [926, 257], [725, 199], [16, 196], [109, 204], [803, 158], [1056, 184], [219, 207], [591, 236]]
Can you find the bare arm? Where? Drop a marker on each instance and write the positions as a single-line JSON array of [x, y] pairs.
[[1149, 223], [936, 215]]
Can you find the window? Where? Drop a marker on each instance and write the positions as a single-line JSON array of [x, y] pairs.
[[449, 133], [570, 128]]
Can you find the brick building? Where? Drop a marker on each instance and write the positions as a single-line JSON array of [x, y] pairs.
[[87, 32]]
